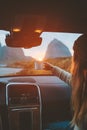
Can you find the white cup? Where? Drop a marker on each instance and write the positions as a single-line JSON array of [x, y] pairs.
[[38, 65]]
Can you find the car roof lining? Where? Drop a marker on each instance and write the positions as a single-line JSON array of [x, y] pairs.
[[61, 16]]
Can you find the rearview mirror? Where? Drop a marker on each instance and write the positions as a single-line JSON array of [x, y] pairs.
[[25, 31], [22, 40]]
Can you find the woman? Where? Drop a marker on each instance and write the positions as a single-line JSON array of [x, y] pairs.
[[78, 80]]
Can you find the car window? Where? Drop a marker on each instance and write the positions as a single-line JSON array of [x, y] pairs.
[[55, 48]]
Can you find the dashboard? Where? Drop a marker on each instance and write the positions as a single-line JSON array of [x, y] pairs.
[[35, 99]]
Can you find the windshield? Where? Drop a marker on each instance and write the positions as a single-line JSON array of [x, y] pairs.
[[55, 48]]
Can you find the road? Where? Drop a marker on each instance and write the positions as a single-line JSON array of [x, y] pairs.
[[6, 71]]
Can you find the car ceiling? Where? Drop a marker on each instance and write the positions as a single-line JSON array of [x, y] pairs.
[[59, 15]]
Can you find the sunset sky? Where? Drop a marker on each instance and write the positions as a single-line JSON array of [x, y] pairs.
[[39, 51]]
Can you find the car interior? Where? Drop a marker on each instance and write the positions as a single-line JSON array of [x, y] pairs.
[[37, 102]]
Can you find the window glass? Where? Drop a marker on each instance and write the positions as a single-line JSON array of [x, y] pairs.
[[55, 48]]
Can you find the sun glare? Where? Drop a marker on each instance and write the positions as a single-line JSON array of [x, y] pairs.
[[38, 56], [40, 59]]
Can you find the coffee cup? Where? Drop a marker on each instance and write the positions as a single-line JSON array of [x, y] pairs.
[[38, 65]]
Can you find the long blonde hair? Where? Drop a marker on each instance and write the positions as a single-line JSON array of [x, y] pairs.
[[79, 80]]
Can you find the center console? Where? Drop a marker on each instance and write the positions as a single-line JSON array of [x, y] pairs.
[[22, 109]]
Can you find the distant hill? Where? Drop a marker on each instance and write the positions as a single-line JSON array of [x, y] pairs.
[[57, 49], [10, 55]]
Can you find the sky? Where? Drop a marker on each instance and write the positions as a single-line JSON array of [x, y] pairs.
[[39, 51]]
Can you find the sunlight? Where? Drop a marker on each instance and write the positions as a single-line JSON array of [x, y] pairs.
[[36, 55], [39, 57]]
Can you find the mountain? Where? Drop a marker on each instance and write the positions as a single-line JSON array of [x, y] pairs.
[[57, 49], [9, 55]]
